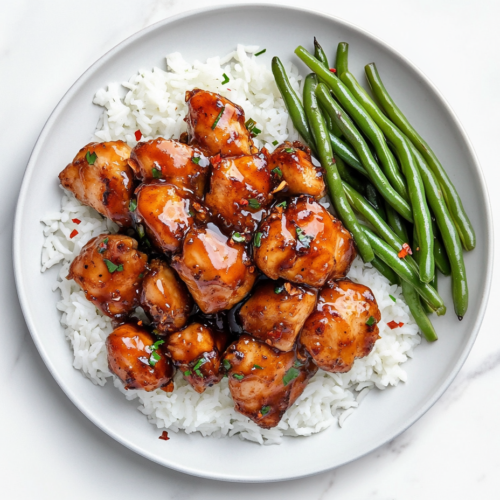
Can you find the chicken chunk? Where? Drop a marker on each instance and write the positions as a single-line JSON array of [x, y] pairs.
[[101, 178], [165, 298], [174, 162], [263, 381], [343, 326], [166, 212], [239, 189], [217, 271], [138, 359], [110, 270], [303, 243], [217, 125], [292, 163], [276, 312], [197, 351]]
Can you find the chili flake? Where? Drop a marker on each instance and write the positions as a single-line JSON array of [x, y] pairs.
[[333, 70], [406, 250], [73, 233], [393, 324], [138, 135], [76, 221], [164, 436]]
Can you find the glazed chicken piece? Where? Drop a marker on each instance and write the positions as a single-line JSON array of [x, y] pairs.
[[276, 312], [303, 243], [291, 162], [110, 270], [239, 189], [165, 298], [343, 326], [263, 381], [217, 125], [172, 161], [138, 359], [166, 212], [197, 351], [217, 271], [100, 177]]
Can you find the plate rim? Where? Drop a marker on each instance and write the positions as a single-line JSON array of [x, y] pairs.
[[16, 244]]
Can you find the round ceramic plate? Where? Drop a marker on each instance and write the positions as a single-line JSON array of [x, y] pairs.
[[383, 414]]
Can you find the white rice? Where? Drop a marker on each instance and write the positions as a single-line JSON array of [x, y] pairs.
[[154, 103]]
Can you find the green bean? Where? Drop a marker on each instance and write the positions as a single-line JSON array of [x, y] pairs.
[[322, 141], [344, 151], [346, 175], [418, 306], [412, 299], [449, 233], [381, 227], [362, 119], [457, 211], [373, 197], [421, 213], [397, 223], [319, 53], [404, 270], [342, 55], [386, 271], [355, 138], [440, 257], [292, 102], [417, 255]]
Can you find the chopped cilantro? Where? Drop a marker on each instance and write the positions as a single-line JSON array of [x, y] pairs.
[[282, 204], [290, 375], [103, 246], [257, 239], [196, 159], [112, 267], [91, 158], [303, 237], [254, 203], [371, 321], [156, 173], [265, 410]]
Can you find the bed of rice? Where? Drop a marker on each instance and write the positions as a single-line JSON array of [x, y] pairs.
[[153, 101]]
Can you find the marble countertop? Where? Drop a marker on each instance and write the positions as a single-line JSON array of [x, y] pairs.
[[49, 450]]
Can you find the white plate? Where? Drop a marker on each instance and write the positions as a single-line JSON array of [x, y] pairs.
[[216, 31]]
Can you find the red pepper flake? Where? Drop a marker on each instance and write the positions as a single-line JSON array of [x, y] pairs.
[[406, 250], [138, 135], [164, 436], [333, 70], [393, 324], [169, 387], [229, 90], [139, 323], [76, 221], [243, 202], [215, 160], [73, 233]]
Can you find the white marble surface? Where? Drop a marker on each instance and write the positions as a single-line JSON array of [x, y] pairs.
[[49, 450]]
